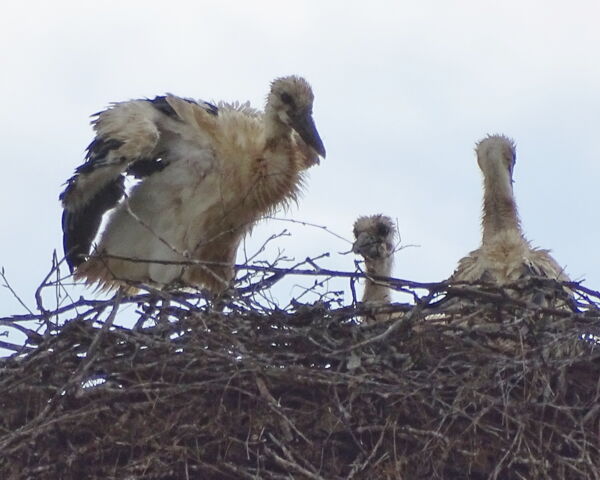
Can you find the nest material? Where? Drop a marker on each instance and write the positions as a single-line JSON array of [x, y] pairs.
[[491, 388]]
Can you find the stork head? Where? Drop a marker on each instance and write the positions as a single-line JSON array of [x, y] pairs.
[[291, 101], [495, 154], [374, 236]]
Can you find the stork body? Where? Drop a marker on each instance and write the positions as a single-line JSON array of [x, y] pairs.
[[206, 175], [505, 255], [375, 237]]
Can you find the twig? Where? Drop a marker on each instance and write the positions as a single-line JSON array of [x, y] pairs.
[[309, 224], [14, 293]]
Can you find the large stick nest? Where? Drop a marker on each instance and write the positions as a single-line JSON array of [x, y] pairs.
[[488, 387]]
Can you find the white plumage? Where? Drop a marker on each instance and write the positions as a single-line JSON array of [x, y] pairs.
[[207, 175], [375, 240], [505, 256]]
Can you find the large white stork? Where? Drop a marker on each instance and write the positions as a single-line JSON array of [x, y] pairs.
[[505, 255], [206, 174]]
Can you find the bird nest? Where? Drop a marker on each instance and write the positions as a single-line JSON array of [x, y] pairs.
[[484, 387]]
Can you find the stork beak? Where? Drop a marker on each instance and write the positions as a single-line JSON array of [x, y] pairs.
[[364, 245], [305, 126]]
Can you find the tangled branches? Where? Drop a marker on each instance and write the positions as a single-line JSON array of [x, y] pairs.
[[237, 387]]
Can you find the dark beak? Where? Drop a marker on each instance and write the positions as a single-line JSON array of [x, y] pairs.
[[305, 126], [366, 246]]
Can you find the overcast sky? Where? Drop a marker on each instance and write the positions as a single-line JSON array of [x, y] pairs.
[[403, 90]]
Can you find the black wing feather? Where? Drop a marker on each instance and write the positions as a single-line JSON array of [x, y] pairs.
[[80, 227], [98, 149], [161, 104], [98, 184], [146, 167]]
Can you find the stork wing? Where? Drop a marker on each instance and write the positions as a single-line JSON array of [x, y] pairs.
[[131, 138], [542, 264], [470, 268]]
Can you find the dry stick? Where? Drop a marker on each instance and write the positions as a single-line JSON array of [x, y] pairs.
[[37, 425], [15, 348], [311, 289], [92, 350], [497, 293], [284, 458], [466, 291], [263, 247], [236, 470], [405, 321], [308, 224], [578, 286], [93, 304], [61, 286], [271, 280], [55, 263], [291, 463], [82, 370], [318, 271], [9, 287], [484, 292], [286, 451], [346, 416], [38, 294], [273, 405], [358, 468], [24, 330]]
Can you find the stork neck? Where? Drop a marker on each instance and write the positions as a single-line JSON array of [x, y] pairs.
[[275, 129], [499, 207], [374, 290]]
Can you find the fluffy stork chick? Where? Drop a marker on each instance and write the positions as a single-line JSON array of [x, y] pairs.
[[206, 174], [375, 238], [505, 256]]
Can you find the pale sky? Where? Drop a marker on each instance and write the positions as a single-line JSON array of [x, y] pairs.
[[403, 90]]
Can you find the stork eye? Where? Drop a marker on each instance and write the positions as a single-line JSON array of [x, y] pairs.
[[383, 230], [287, 98]]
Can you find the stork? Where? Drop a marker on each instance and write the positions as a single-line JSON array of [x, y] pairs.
[[205, 175], [375, 237], [505, 255]]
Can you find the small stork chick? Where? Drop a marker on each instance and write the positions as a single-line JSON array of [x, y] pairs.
[[505, 256], [205, 175], [375, 238]]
